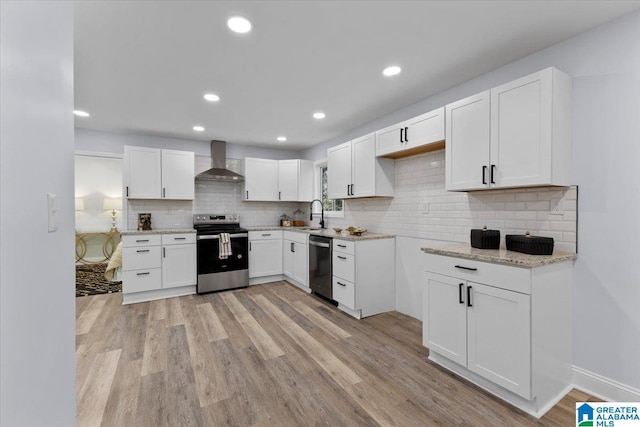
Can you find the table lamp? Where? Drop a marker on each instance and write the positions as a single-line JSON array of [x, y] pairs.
[[112, 205]]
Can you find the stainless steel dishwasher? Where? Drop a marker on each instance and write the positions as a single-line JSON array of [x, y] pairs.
[[320, 266]]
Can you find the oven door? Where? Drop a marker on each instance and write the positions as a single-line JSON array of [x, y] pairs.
[[209, 250]]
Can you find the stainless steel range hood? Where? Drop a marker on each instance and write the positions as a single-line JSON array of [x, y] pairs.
[[219, 171]]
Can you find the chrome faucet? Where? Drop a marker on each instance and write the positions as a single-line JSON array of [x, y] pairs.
[[321, 214]]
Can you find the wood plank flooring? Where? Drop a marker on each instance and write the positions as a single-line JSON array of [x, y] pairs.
[[269, 355]]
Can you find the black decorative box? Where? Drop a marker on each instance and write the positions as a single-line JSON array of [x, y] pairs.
[[485, 239], [528, 244]]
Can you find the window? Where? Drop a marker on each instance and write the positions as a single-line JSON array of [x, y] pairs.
[[330, 205], [332, 208]]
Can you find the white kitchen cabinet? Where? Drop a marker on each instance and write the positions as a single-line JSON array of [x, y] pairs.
[[296, 258], [364, 276], [179, 261], [295, 180], [265, 253], [505, 328], [529, 135], [151, 173], [278, 180], [178, 175], [416, 135], [355, 171], [158, 266], [261, 179], [142, 173]]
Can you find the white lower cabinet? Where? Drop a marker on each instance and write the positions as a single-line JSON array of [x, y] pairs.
[[512, 338], [364, 276], [158, 266], [296, 258], [265, 254]]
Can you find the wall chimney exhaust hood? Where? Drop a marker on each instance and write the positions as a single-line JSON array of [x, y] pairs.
[[219, 171]]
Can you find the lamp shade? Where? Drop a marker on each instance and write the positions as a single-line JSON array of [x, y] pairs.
[[112, 204], [79, 204]]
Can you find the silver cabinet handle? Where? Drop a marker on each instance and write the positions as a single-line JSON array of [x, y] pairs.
[[164, 252], [342, 257], [265, 235], [142, 241], [179, 238], [143, 274], [341, 284], [142, 251], [341, 246]]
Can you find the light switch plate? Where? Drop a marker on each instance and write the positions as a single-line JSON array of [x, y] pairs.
[[52, 209]]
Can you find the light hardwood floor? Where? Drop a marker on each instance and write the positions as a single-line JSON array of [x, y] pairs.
[[269, 355]]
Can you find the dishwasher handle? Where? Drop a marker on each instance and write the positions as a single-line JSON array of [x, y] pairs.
[[319, 244]]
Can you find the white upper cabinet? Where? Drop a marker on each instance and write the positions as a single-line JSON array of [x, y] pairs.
[[178, 175], [273, 180], [468, 139], [295, 180], [528, 140], [261, 179], [417, 135], [152, 173], [354, 170]]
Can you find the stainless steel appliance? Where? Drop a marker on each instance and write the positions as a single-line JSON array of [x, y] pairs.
[[320, 266], [219, 171], [216, 273]]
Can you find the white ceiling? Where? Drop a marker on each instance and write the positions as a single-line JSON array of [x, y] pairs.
[[143, 66]]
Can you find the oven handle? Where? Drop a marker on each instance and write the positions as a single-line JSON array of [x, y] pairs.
[[216, 237]]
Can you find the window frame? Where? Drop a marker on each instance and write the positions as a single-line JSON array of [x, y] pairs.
[[317, 191]]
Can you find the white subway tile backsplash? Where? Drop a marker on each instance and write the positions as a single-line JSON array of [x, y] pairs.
[[421, 180]]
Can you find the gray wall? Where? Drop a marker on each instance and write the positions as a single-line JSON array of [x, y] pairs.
[[114, 142], [37, 298], [605, 65]]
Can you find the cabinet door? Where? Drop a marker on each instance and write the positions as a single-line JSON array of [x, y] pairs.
[[288, 258], [261, 179], [265, 257], [425, 129], [178, 265], [444, 326], [467, 143], [521, 113], [178, 175], [363, 166], [499, 337], [339, 165], [142, 173], [288, 180], [300, 263], [390, 140]]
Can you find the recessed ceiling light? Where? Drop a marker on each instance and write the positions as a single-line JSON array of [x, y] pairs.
[[392, 71], [282, 138], [239, 24], [319, 115], [212, 97], [81, 113], [198, 128]]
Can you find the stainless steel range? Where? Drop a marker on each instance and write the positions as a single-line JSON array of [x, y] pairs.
[[217, 268]]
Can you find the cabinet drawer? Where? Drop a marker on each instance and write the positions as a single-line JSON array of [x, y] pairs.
[[265, 235], [141, 280], [141, 258], [344, 266], [344, 292], [344, 246], [131, 241], [178, 239], [501, 276], [295, 236]]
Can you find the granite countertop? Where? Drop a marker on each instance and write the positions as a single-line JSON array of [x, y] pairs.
[[325, 233], [167, 231], [500, 256]]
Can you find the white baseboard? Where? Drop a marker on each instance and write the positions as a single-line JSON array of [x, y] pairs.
[[603, 388]]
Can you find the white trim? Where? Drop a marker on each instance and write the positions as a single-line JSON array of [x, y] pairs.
[[603, 388], [317, 195], [98, 154]]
